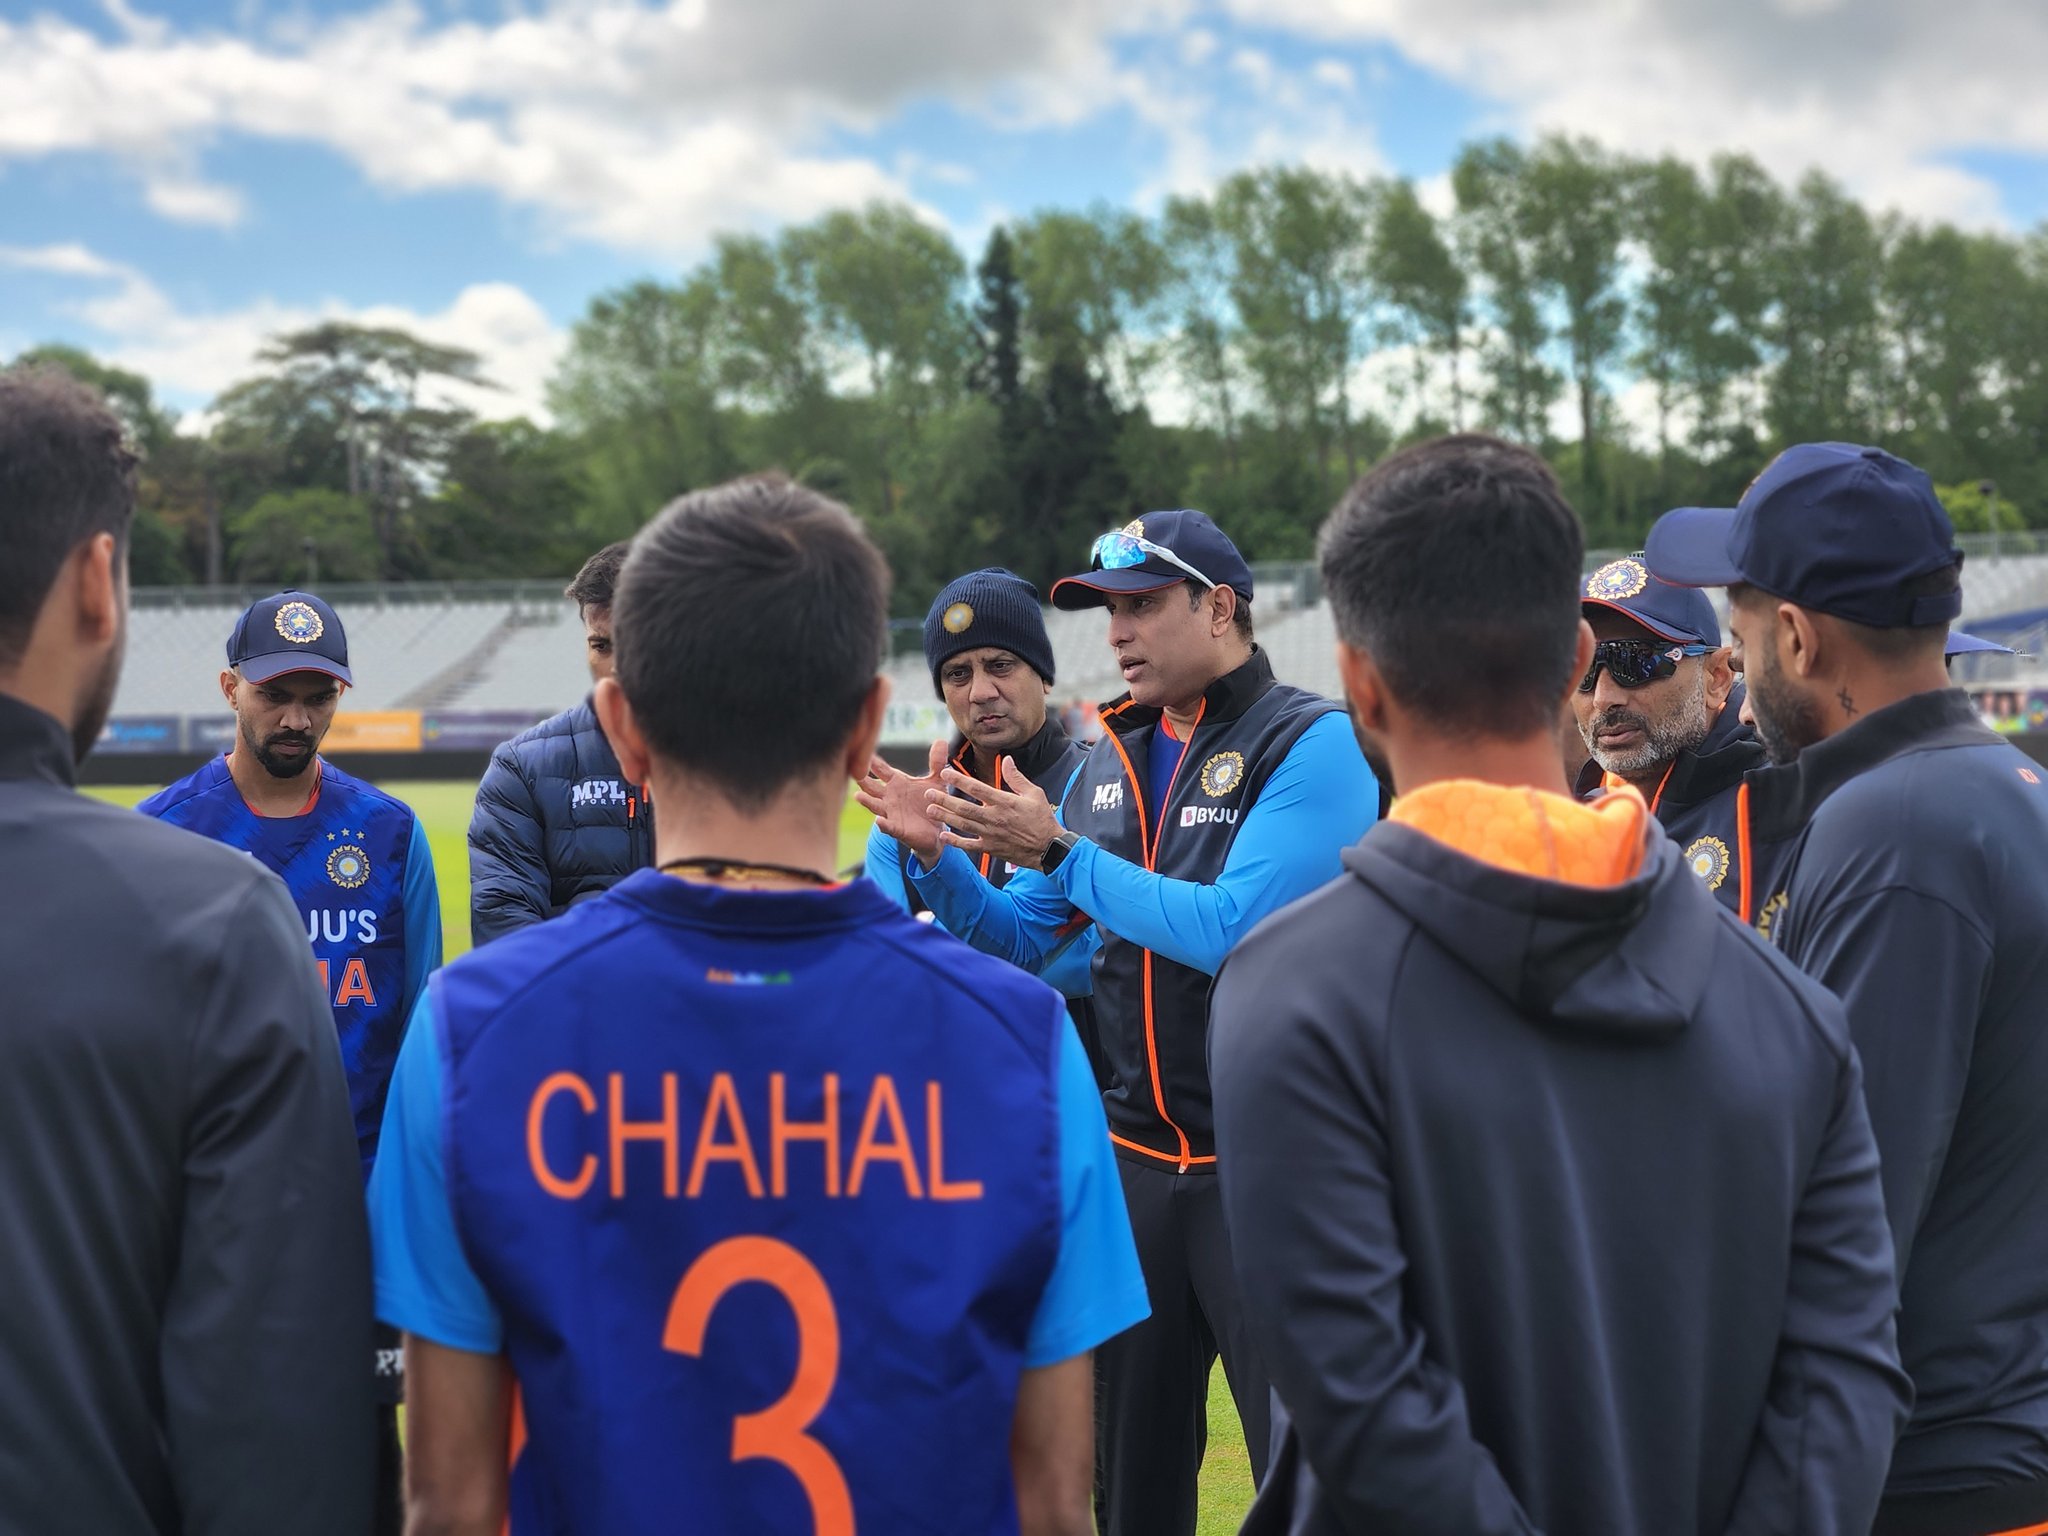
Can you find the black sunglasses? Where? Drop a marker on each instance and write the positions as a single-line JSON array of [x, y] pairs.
[[1637, 663]]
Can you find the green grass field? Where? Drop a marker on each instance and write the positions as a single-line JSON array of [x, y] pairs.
[[444, 809]]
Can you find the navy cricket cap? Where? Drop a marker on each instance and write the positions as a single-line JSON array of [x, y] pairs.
[[1961, 644], [1677, 613], [289, 631], [1201, 547], [1829, 526]]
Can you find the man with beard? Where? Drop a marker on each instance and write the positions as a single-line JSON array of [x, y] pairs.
[[1660, 710], [1913, 842], [355, 860], [183, 1249]]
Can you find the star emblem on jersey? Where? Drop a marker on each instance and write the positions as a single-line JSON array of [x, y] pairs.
[[298, 623], [957, 618], [1708, 857], [347, 865], [1618, 579], [1222, 773]]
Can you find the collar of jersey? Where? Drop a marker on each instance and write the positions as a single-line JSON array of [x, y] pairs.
[[752, 909]]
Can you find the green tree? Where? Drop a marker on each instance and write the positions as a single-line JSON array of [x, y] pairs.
[[1576, 211], [887, 287], [302, 537], [348, 407], [1491, 234], [1092, 282], [1426, 291], [639, 390], [1299, 282], [1826, 334]]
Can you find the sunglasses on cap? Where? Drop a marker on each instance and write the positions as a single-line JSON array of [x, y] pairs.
[[1123, 551], [1638, 663]]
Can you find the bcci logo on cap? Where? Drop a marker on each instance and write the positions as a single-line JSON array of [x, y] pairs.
[[298, 623], [1618, 579], [957, 618], [1708, 857]]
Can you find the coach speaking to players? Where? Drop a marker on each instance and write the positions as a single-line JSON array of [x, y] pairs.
[[1216, 796]]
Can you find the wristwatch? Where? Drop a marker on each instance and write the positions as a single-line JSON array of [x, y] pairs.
[[1057, 850]]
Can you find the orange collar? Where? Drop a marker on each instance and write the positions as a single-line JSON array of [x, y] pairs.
[[1531, 832]]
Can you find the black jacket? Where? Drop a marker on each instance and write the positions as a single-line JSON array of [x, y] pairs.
[[1696, 802], [1555, 1208], [555, 821], [1152, 1011], [1917, 843], [184, 1259]]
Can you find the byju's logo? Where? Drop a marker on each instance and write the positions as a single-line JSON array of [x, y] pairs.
[[1203, 815], [596, 792], [1108, 797]]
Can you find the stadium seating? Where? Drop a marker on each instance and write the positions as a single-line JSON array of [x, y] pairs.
[[516, 648]]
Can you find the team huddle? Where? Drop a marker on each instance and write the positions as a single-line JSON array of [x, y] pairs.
[[1588, 1081]]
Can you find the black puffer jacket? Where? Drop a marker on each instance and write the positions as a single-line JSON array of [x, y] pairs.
[[555, 822]]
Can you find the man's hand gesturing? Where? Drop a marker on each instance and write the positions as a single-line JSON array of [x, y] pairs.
[[897, 801]]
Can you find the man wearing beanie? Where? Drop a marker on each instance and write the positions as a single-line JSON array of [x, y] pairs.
[[1217, 795], [991, 662]]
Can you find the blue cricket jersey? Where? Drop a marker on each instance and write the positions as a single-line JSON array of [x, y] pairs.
[[362, 877], [770, 1197]]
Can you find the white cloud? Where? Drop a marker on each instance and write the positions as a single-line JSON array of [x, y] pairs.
[[645, 127], [1881, 92], [1336, 74], [1255, 67], [197, 355]]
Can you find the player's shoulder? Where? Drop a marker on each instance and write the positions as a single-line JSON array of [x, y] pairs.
[[157, 863], [203, 783], [509, 966], [576, 718], [980, 984], [343, 784]]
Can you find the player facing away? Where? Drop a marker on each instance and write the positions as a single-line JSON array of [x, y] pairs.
[[789, 1213], [354, 859]]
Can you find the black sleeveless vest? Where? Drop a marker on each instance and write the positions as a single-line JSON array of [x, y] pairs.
[[1153, 1013]]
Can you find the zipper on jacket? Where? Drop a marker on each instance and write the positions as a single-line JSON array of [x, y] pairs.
[[1150, 846]]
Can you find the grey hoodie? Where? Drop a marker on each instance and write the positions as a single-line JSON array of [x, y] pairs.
[[1556, 1208]]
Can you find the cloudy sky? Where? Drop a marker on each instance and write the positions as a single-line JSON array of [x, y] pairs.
[[179, 178]]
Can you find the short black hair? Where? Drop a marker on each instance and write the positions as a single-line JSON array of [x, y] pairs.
[[1895, 644], [750, 622], [599, 578], [67, 474], [1455, 565]]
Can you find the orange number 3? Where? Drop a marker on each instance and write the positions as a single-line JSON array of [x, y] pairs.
[[777, 1432]]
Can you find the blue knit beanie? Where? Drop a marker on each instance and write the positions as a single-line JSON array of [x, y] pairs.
[[992, 607]]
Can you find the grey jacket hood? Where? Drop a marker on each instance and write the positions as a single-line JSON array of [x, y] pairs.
[[1616, 960]]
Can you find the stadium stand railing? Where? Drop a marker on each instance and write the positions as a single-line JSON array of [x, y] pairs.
[[470, 663]]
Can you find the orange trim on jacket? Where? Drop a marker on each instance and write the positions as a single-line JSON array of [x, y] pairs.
[[1148, 839]]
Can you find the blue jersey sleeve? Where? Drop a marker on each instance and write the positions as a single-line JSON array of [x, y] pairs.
[[1096, 1290], [424, 1282], [1320, 799], [421, 896], [884, 865], [1022, 923]]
